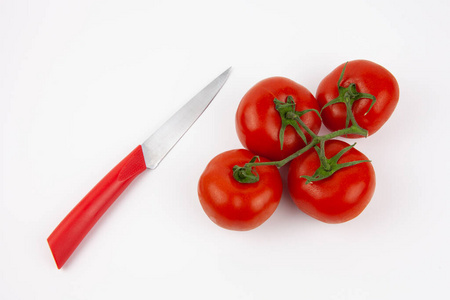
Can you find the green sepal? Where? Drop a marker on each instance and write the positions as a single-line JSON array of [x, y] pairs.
[[301, 113], [349, 96], [332, 165], [289, 117], [246, 174]]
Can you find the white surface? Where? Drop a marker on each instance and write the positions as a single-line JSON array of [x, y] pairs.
[[83, 82]]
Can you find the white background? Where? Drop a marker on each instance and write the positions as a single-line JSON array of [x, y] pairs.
[[84, 82]]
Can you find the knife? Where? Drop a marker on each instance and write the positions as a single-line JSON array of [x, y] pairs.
[[73, 228]]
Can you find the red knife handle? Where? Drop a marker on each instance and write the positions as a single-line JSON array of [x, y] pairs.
[[70, 232]]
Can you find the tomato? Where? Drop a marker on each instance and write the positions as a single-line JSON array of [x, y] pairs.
[[258, 123], [234, 205], [369, 78], [338, 198]]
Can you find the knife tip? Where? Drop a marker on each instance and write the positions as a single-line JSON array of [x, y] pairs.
[[227, 72]]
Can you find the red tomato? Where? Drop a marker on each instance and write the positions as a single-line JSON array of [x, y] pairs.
[[338, 198], [369, 78], [234, 205], [258, 123]]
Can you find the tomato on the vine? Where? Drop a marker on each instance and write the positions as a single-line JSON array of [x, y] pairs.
[[338, 198], [258, 123], [361, 78], [234, 205]]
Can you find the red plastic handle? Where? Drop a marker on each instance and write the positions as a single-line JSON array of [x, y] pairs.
[[71, 231]]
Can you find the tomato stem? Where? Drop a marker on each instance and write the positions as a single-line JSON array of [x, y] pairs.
[[321, 152], [284, 161], [246, 174], [295, 116], [290, 117], [316, 140]]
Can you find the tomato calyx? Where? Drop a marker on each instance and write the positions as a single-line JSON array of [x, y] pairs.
[[348, 96], [247, 173], [329, 166], [291, 117]]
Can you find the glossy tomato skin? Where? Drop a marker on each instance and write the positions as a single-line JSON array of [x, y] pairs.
[[338, 198], [258, 123], [370, 78], [234, 205]]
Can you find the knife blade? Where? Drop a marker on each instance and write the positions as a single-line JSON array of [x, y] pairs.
[[74, 227]]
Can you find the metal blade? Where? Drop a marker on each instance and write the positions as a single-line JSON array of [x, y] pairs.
[[156, 147]]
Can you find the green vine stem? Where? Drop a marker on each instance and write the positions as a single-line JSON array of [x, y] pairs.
[[291, 117], [316, 140]]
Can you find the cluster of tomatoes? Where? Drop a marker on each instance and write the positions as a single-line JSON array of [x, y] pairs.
[[278, 121]]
